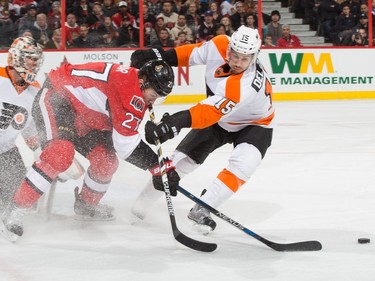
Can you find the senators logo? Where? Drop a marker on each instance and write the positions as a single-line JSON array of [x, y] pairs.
[[138, 103]]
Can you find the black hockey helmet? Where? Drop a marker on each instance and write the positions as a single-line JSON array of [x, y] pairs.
[[158, 75]]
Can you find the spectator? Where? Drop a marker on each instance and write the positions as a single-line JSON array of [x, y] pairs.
[[41, 32], [154, 7], [227, 7], [22, 6], [236, 17], [193, 20], [45, 6], [72, 29], [158, 26], [178, 7], [148, 30], [181, 39], [249, 20], [328, 11], [108, 33], [27, 21], [354, 5], [81, 9], [363, 23], [96, 17], [109, 8], [7, 31], [147, 16], [219, 29], [122, 12], [56, 40], [344, 25], [249, 6], [167, 13], [54, 16], [164, 40], [310, 11], [268, 41], [274, 27], [84, 40], [128, 34], [7, 11], [216, 13], [359, 40], [226, 21], [181, 26], [206, 30], [287, 39]]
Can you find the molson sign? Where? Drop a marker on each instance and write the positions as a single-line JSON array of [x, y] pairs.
[[320, 73]]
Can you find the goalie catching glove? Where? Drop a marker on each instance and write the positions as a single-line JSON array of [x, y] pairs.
[[173, 177], [168, 128]]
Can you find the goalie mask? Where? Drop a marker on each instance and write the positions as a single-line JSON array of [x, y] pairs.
[[157, 75], [26, 57]]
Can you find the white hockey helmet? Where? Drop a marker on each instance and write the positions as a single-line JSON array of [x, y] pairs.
[[245, 40], [21, 49]]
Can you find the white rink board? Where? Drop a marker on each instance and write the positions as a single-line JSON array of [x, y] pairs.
[[330, 70]]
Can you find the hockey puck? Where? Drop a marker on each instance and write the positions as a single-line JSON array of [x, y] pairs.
[[363, 240]]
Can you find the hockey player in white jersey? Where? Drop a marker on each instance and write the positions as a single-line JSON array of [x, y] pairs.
[[18, 88], [238, 110]]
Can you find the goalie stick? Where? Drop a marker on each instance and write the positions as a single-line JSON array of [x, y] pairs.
[[290, 247], [178, 235]]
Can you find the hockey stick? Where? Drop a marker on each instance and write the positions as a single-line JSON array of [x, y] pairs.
[[290, 247], [178, 235]]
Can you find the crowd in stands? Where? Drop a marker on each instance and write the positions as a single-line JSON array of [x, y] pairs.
[[169, 23]]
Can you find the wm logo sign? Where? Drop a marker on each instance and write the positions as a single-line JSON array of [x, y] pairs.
[[301, 64]]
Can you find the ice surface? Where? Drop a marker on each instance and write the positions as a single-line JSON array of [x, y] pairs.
[[315, 183]]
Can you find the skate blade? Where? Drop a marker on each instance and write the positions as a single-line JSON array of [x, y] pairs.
[[90, 218], [10, 236]]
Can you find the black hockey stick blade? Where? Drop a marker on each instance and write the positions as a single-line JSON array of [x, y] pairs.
[[296, 247], [291, 247], [193, 244]]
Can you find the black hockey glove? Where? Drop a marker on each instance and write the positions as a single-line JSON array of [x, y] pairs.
[[169, 127], [140, 57], [173, 177]]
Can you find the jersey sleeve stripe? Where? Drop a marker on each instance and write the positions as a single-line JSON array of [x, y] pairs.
[[220, 41], [183, 53]]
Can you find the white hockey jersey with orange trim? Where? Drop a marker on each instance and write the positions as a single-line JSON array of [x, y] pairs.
[[238, 100], [15, 111]]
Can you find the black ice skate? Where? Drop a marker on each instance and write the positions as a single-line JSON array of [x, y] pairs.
[[11, 223], [202, 220], [86, 212]]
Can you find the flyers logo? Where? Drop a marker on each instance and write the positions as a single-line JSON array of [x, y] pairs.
[[138, 103], [13, 115]]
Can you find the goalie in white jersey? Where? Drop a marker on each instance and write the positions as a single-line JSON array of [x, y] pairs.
[[18, 89], [238, 110]]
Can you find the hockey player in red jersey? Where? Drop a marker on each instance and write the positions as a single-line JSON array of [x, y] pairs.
[[95, 109], [18, 89], [238, 110]]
